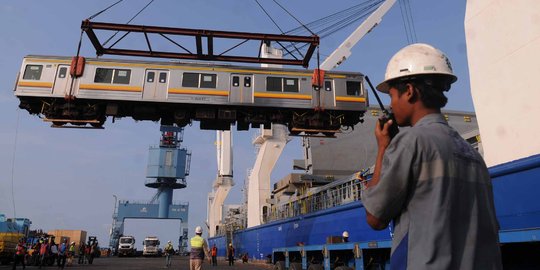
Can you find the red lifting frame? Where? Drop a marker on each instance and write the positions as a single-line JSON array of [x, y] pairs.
[[302, 41]]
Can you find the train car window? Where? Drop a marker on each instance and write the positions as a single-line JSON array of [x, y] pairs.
[[328, 85], [247, 81], [353, 88], [274, 84], [62, 72], [150, 76], [162, 77], [122, 76], [103, 75], [290, 85], [235, 81], [190, 80], [32, 72], [208, 80]]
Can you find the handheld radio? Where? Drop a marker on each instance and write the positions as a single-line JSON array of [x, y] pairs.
[[393, 129]]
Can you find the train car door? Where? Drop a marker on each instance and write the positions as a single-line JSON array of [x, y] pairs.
[[155, 84], [325, 97], [62, 81], [241, 88]]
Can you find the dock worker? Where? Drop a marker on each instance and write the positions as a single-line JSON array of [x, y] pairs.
[[214, 255], [169, 251], [230, 254], [20, 253], [345, 236], [428, 180], [199, 250]]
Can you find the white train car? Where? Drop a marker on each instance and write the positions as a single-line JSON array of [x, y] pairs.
[[178, 93]]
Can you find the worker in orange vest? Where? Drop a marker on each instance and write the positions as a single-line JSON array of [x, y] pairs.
[[214, 255], [19, 254]]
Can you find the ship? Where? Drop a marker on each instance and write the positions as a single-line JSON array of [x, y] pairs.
[[310, 208]]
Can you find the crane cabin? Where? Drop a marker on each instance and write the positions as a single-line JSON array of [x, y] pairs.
[[84, 92]]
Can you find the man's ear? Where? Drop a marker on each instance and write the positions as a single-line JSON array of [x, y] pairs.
[[412, 93]]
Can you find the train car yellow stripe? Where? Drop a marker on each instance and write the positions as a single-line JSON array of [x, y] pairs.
[[199, 92], [351, 99], [36, 84], [110, 88], [284, 96]]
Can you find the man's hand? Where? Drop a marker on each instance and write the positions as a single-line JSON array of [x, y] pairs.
[[382, 134]]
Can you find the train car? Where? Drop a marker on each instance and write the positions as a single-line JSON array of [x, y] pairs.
[[178, 93]]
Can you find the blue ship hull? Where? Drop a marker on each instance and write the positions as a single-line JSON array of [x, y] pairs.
[[515, 187]]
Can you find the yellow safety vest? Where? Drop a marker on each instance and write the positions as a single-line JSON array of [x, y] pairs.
[[197, 250], [197, 242]]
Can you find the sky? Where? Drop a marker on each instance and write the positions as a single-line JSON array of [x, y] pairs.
[[66, 178]]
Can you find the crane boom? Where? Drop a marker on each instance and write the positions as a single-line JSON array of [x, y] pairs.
[[344, 50]]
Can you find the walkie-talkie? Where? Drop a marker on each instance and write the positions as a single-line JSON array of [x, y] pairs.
[[393, 129]]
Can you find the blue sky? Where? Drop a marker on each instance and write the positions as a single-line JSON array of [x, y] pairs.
[[65, 178]]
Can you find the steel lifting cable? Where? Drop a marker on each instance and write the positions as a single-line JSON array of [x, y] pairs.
[[132, 18], [408, 21], [281, 30], [352, 15], [107, 8]]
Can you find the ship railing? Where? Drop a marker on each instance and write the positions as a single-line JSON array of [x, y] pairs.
[[336, 195]]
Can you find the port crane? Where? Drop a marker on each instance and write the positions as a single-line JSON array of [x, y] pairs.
[[271, 143]]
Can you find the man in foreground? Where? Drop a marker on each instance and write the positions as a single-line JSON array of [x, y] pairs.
[[429, 181]]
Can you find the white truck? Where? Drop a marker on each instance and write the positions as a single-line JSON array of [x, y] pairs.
[[126, 246], [151, 246]]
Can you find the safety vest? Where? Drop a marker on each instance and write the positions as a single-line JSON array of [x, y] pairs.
[[197, 250], [214, 251]]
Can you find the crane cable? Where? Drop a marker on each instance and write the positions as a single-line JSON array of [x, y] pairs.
[[408, 22], [107, 8], [318, 107], [13, 163], [282, 32], [132, 18]]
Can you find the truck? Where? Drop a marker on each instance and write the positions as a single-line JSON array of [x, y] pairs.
[[151, 246], [126, 246]]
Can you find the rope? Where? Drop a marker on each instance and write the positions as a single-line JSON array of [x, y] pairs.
[[95, 15], [13, 164]]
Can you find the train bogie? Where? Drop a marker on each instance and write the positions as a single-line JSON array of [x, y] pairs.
[[178, 93]]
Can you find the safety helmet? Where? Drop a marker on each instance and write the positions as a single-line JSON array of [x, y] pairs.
[[345, 234], [72, 243], [417, 59], [169, 241], [198, 229], [230, 244]]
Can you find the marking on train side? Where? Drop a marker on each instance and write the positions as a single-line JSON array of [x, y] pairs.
[[351, 99], [199, 92]]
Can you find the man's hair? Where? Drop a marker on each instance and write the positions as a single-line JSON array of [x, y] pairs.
[[430, 87]]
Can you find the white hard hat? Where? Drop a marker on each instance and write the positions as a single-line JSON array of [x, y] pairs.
[[417, 59], [169, 241], [345, 234], [198, 229]]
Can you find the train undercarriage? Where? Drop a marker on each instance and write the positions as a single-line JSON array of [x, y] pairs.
[[86, 113]]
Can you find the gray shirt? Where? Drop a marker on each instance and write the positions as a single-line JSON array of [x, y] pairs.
[[437, 190]]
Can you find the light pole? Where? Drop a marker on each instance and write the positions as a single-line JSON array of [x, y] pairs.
[[112, 239]]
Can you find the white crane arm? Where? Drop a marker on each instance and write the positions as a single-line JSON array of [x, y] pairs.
[[344, 50]]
